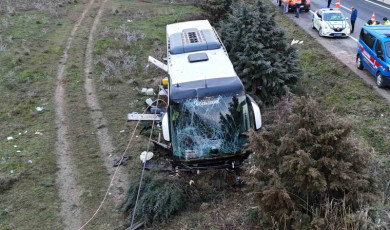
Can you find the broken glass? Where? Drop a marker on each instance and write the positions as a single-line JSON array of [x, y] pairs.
[[209, 127]]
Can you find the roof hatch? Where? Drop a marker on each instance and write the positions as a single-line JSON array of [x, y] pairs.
[[198, 57], [192, 40]]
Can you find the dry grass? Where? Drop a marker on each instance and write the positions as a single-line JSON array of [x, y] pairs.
[[32, 37], [6, 182], [117, 64], [121, 53], [54, 7], [32, 44]]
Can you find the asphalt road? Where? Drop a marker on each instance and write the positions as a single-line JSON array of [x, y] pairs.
[[365, 9], [345, 48]]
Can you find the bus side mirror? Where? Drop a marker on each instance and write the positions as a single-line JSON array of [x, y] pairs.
[[255, 110], [165, 127]]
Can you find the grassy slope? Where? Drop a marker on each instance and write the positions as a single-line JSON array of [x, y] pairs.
[[336, 87], [31, 204], [33, 201], [32, 56], [121, 96], [117, 97], [326, 79], [92, 176]]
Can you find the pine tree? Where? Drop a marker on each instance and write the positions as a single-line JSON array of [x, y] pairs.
[[161, 196], [309, 162], [259, 51], [216, 10]]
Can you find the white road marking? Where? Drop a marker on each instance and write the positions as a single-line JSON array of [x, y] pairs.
[[378, 4], [346, 8], [354, 39]]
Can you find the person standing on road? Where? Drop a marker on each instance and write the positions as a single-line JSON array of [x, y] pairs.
[[297, 7], [353, 18], [285, 4], [368, 23], [329, 2], [386, 22]]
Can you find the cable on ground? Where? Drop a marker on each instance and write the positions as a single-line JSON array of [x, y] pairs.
[[143, 168], [116, 170]]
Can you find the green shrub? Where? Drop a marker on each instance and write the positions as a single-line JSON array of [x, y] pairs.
[[6, 183], [216, 10], [160, 197], [259, 51], [213, 184], [308, 169]]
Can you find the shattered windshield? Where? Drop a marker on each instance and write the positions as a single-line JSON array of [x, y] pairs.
[[209, 127], [334, 17]]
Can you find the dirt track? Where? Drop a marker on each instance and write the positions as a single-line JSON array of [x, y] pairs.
[[105, 140], [69, 191]]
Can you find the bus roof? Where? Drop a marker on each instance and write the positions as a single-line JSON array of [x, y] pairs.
[[195, 53]]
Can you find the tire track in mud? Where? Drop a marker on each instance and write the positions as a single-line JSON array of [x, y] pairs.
[[105, 140], [69, 191]]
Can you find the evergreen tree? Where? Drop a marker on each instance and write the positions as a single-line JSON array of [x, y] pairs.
[[216, 10], [161, 197], [259, 51], [308, 165]]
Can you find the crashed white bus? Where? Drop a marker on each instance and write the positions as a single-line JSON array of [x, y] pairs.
[[208, 112]]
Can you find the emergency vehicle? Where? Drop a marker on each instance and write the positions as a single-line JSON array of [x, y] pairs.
[[331, 23], [305, 5], [373, 53], [207, 113]]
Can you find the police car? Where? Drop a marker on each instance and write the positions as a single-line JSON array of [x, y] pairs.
[[373, 53], [331, 23]]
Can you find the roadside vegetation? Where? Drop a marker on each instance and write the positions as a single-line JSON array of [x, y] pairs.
[[32, 38], [322, 159], [308, 172], [128, 33], [258, 49], [360, 204], [215, 10], [244, 207], [55, 8], [334, 88]]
